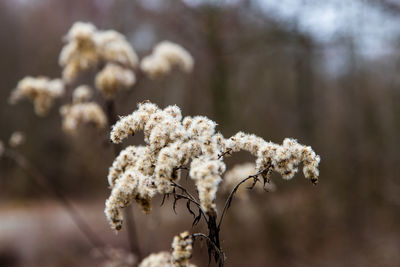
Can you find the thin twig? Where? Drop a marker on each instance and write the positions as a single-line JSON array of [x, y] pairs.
[[194, 202], [230, 197], [183, 189], [192, 198], [45, 183], [217, 249], [223, 154]]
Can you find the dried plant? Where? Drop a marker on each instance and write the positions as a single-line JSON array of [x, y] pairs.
[[182, 247], [82, 93], [173, 143], [165, 56], [88, 47], [112, 78], [41, 91]]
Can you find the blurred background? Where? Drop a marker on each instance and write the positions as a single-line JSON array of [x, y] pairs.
[[323, 72]]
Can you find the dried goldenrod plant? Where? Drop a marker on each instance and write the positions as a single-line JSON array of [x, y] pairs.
[[88, 47], [174, 143]]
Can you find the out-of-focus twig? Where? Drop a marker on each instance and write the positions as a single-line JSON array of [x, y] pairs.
[[48, 186]]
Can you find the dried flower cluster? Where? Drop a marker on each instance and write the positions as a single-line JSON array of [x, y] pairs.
[[81, 112], [284, 158], [81, 94], [87, 47], [182, 249], [138, 173], [164, 57], [17, 139], [41, 91], [112, 78]]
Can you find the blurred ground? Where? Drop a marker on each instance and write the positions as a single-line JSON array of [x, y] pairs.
[[277, 229]]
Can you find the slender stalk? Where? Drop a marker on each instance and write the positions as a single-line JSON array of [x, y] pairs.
[[183, 189], [128, 213], [217, 249], [195, 202], [45, 183], [213, 234], [230, 197], [214, 246]]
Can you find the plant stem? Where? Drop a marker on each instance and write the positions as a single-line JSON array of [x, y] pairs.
[[213, 234]]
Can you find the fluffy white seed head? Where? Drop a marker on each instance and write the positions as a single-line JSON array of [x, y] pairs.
[[182, 249], [164, 57], [78, 114], [81, 94], [81, 32], [80, 52], [127, 158], [171, 142], [286, 157], [112, 78], [86, 47], [132, 185], [132, 123], [17, 139], [207, 175], [113, 47], [282, 158], [41, 91]]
